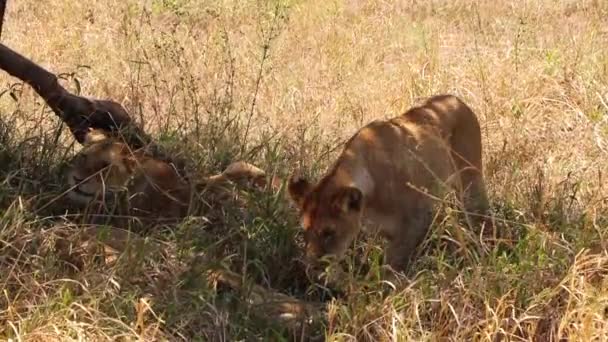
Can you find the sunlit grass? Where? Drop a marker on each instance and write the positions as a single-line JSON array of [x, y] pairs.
[[282, 84]]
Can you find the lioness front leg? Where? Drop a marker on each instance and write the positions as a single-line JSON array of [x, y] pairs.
[[476, 203], [401, 246]]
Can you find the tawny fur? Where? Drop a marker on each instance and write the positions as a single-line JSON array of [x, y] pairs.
[[107, 171], [382, 174]]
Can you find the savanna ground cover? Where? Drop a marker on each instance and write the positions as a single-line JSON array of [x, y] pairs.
[[282, 84]]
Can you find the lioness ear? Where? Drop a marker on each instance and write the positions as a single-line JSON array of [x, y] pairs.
[[298, 188], [94, 135], [348, 199]]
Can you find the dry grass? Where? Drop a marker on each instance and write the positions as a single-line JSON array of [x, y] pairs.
[[293, 79]]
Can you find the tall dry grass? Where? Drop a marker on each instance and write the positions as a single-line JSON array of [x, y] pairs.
[[282, 83]]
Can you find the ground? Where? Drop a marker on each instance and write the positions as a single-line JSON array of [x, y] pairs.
[[282, 83]]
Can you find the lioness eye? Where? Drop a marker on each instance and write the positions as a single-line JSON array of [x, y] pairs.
[[327, 234]]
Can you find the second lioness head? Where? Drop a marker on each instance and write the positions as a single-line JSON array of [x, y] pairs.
[[330, 215], [102, 167]]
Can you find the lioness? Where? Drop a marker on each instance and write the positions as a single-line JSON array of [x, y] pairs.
[[382, 174], [107, 171]]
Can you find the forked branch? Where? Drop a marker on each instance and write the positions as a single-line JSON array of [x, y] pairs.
[[79, 113]]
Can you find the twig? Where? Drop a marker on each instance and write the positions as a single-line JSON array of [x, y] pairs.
[[272, 34]]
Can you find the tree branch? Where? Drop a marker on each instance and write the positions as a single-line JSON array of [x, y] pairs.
[[2, 9], [79, 113]]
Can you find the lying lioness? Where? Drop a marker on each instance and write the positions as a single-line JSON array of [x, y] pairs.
[[108, 172], [383, 175]]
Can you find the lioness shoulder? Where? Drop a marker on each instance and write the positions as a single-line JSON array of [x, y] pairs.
[[385, 174]]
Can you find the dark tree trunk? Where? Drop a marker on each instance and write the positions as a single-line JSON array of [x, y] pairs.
[[79, 113], [2, 9]]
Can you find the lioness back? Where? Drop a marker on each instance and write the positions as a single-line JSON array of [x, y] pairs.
[[385, 175], [459, 127]]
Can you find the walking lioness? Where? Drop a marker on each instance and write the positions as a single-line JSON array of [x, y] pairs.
[[382, 175]]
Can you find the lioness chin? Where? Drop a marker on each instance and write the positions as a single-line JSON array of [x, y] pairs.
[[382, 177]]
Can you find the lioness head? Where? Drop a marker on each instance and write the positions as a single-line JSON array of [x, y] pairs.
[[330, 215], [102, 167]]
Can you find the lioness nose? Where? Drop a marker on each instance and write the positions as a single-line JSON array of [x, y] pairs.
[[313, 254]]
